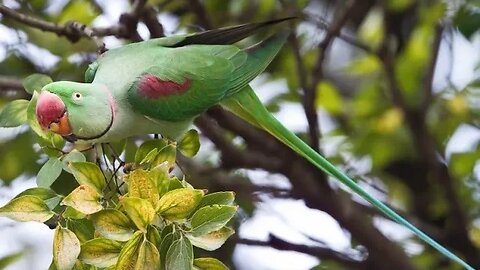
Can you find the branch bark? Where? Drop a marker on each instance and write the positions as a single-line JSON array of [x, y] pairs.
[[316, 251]]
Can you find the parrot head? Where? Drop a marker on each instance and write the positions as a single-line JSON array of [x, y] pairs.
[[76, 110]]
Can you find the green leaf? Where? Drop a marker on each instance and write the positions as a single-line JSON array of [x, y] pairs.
[[148, 257], [167, 154], [88, 173], [85, 199], [211, 218], [14, 113], [222, 198], [9, 259], [179, 203], [82, 228], [150, 157], [72, 213], [140, 211], [209, 264], [372, 29], [48, 196], [165, 183], [467, 20], [213, 240], [35, 82], [113, 224], [329, 98], [100, 252], [147, 147], [26, 208], [128, 256], [142, 185], [190, 143], [49, 172], [66, 248], [179, 255], [462, 164], [153, 236], [82, 11], [73, 156], [167, 240]]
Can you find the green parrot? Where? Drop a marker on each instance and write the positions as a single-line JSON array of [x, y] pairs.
[[162, 85]]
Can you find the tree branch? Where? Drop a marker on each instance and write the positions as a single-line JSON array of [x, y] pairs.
[[9, 84], [316, 251], [428, 79], [310, 185]]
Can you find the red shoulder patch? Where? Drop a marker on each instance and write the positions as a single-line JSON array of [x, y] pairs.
[[151, 86]]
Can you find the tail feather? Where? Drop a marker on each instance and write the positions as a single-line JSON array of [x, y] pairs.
[[227, 35], [247, 105]]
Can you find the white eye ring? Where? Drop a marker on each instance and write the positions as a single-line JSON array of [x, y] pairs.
[[76, 96]]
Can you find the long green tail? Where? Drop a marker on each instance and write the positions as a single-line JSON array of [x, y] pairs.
[[247, 105]]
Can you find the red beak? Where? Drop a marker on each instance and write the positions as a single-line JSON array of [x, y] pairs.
[[52, 114]]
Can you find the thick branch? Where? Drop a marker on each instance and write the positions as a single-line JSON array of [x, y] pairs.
[[8, 84]]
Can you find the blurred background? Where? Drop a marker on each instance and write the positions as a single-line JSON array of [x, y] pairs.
[[388, 90]]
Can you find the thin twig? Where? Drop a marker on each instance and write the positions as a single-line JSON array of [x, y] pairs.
[[317, 251], [428, 79]]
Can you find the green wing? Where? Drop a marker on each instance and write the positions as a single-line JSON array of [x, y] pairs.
[[205, 72], [211, 73]]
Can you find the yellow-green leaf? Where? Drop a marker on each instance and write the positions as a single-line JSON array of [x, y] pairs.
[[73, 156], [113, 224], [179, 203], [49, 172], [14, 113], [167, 154], [142, 185], [190, 143], [148, 257], [211, 218], [150, 157], [213, 240], [82, 228], [85, 199], [27, 208], [140, 211], [128, 257], [35, 82], [329, 98], [82, 11], [88, 173], [153, 235], [100, 252], [48, 196], [147, 147], [72, 213], [66, 248], [222, 198], [209, 264]]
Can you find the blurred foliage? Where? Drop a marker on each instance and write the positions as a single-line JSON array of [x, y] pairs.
[[354, 94]]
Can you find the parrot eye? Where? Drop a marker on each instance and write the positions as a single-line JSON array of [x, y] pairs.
[[76, 96]]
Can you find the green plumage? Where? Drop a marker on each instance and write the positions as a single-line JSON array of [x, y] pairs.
[[218, 73]]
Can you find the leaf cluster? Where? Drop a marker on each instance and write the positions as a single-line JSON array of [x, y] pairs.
[[146, 218]]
